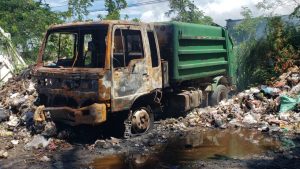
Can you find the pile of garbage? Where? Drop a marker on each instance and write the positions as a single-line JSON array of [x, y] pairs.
[[17, 96], [270, 108]]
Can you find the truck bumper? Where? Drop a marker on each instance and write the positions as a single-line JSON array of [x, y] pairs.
[[92, 115]]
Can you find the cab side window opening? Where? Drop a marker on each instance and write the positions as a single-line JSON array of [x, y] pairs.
[[94, 50], [127, 46], [153, 49], [88, 49]]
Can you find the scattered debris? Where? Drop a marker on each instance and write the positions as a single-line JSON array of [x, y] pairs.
[[49, 129], [45, 159], [18, 94], [14, 142], [13, 121], [37, 142], [4, 133], [266, 108], [102, 144], [288, 103], [3, 154], [4, 115]]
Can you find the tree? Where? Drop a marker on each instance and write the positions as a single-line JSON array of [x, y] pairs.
[[269, 55], [113, 8], [27, 21], [272, 5], [126, 17], [78, 8], [187, 11], [296, 11], [136, 20]]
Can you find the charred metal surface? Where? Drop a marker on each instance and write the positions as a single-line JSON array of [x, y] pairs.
[[105, 87], [138, 77], [93, 114], [81, 95], [79, 86]]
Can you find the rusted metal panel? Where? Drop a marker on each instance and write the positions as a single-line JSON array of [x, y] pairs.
[[93, 114], [136, 79], [105, 87]]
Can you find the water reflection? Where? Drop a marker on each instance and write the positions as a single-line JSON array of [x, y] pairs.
[[193, 146]]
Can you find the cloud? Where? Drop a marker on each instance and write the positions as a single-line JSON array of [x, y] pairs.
[[153, 16], [219, 10], [148, 13]]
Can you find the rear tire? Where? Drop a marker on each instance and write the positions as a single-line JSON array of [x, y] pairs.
[[221, 93]]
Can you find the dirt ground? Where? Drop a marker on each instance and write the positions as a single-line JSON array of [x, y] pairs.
[[162, 148]]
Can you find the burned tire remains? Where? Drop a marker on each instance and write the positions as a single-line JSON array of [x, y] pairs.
[[141, 120]]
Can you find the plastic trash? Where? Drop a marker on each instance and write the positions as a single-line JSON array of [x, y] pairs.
[[3, 154], [249, 119], [37, 142], [13, 121], [288, 103], [28, 119], [295, 90], [4, 133], [270, 90]]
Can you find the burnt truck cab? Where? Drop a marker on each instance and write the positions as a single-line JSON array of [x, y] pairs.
[[87, 71]]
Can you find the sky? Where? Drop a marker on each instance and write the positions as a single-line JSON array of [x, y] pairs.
[[219, 10]]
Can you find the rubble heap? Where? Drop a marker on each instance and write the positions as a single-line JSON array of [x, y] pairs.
[[16, 98], [18, 93], [268, 108]]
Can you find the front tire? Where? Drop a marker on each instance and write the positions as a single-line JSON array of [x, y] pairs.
[[142, 120]]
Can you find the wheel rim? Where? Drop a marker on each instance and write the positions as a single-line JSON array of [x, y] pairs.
[[140, 121]]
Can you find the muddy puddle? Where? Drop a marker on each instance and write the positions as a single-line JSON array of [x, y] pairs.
[[194, 146]]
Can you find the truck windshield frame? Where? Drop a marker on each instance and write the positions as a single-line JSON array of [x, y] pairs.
[[83, 46]]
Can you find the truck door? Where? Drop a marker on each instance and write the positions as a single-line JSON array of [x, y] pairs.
[[130, 73]]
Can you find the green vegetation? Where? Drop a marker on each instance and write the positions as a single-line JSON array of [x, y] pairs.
[[113, 7], [27, 21], [187, 11], [78, 9], [260, 60]]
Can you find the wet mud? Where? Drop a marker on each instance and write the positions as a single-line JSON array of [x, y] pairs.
[[194, 146]]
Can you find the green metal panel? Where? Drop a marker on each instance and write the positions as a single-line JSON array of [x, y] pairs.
[[195, 51]]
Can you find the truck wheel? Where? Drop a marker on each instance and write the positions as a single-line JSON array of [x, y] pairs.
[[142, 120], [218, 95]]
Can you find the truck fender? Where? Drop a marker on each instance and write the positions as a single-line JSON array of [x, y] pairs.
[[152, 98]]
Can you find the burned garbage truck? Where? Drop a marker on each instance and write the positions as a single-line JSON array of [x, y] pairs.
[[91, 71]]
